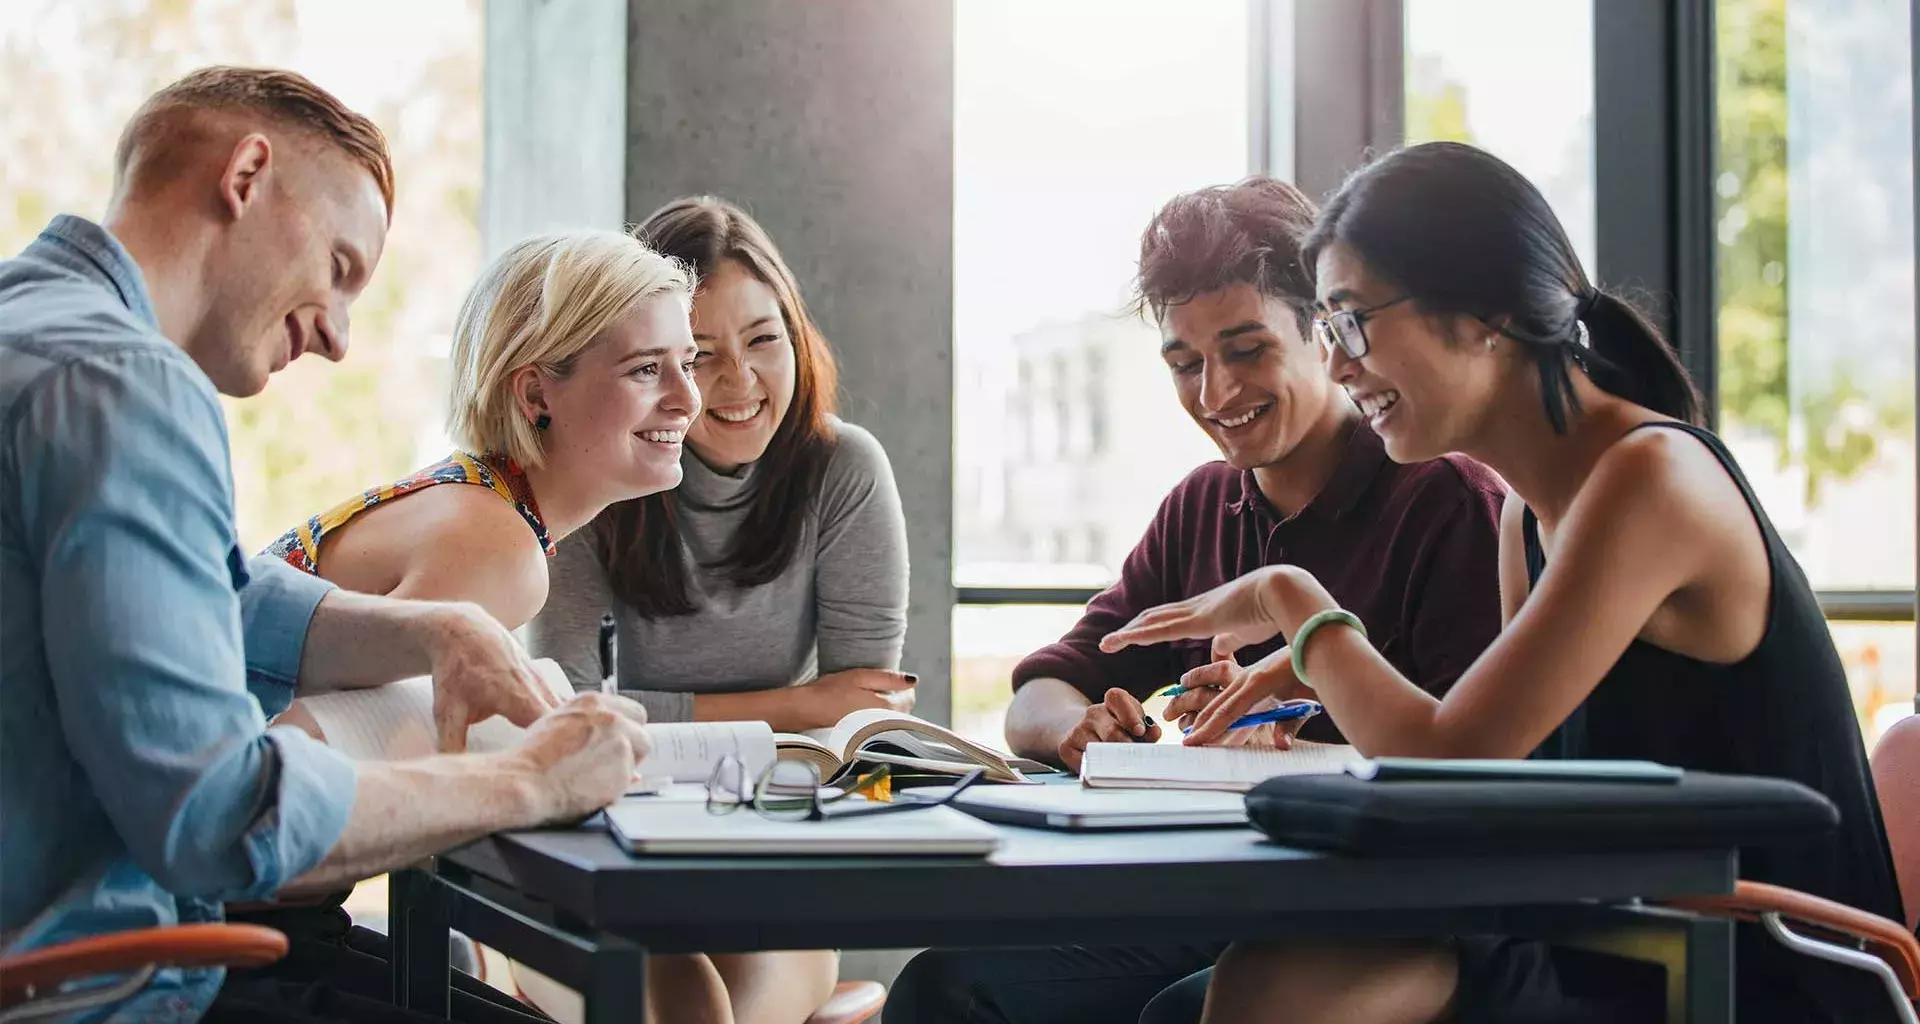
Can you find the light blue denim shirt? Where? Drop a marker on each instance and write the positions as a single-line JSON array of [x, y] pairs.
[[140, 652]]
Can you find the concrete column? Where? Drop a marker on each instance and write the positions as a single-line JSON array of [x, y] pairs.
[[833, 124]]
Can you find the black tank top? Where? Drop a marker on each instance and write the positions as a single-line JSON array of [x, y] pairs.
[[1782, 711]]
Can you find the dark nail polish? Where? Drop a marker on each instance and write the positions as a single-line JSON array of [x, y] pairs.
[[911, 678]]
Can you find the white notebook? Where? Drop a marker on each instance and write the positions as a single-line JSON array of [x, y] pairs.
[[1167, 766], [648, 825], [395, 723]]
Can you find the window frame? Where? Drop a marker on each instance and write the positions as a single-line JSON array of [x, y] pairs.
[[1654, 202]]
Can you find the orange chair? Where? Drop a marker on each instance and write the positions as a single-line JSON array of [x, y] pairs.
[[1896, 774], [1834, 931], [29, 982]]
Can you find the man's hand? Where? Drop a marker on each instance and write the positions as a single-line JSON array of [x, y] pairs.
[[583, 756], [1119, 718], [822, 703], [479, 671]]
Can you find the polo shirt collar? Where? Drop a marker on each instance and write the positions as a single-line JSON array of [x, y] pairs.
[[1362, 461]]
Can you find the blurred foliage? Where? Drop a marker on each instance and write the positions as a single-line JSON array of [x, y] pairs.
[[321, 432], [1841, 420]]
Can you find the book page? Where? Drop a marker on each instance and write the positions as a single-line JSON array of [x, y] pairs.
[[918, 736], [1164, 765], [380, 723], [687, 751]]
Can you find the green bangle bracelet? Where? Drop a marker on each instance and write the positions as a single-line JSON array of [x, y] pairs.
[[1305, 633]]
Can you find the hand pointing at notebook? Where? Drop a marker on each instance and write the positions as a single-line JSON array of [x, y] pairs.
[[479, 671]]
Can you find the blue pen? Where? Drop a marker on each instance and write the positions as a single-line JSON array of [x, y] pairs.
[[1291, 710]]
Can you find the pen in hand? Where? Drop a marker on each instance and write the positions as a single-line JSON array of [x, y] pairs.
[[1292, 710]]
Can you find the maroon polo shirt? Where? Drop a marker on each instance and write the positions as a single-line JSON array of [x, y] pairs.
[[1413, 550]]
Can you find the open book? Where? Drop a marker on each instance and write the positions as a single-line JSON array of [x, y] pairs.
[[1169, 766], [879, 736], [395, 722]]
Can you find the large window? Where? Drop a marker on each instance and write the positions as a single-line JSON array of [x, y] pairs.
[[320, 432], [1074, 120], [1514, 77], [1814, 223]]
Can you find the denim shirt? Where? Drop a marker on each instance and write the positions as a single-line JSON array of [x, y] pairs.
[[140, 652]]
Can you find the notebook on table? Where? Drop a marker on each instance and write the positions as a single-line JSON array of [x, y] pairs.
[[1233, 769], [650, 826], [395, 723], [1079, 809]]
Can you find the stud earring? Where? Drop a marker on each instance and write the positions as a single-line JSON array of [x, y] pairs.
[[1489, 342], [542, 422]]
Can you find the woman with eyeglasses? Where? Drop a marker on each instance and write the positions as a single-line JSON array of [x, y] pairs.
[[1651, 610]]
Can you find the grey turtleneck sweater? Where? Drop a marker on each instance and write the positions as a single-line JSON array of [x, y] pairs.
[[840, 604]]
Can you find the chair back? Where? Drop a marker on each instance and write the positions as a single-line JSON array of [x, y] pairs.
[[1896, 775]]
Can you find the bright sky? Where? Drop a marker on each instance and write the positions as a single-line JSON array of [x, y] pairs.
[[1074, 121], [1525, 65], [359, 49]]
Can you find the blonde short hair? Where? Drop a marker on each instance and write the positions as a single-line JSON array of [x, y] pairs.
[[542, 303]]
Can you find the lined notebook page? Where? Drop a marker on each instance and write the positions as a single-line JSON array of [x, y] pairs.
[[1168, 766]]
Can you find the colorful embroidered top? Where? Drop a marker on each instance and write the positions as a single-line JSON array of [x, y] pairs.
[[300, 546]]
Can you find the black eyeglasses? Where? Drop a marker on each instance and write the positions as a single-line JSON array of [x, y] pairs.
[[1346, 329], [791, 791]]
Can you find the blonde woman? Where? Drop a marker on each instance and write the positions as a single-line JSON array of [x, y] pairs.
[[572, 390]]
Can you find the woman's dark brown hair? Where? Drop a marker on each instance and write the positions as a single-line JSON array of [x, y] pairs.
[[639, 540], [1461, 232]]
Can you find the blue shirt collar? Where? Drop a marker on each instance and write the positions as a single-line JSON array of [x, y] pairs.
[[91, 251]]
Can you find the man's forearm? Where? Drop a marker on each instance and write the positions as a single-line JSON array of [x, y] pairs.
[[357, 640], [406, 810], [1043, 712]]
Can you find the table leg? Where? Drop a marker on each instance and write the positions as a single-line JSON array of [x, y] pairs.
[[616, 991], [418, 934], [1709, 957]]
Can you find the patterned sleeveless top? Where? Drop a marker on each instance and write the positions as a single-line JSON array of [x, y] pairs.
[[300, 546]]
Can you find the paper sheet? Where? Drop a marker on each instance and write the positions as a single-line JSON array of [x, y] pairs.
[[395, 722], [687, 751]]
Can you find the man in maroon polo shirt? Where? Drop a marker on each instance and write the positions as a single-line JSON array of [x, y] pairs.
[[1411, 549]]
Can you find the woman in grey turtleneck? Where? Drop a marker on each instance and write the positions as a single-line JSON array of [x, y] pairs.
[[782, 557], [772, 584]]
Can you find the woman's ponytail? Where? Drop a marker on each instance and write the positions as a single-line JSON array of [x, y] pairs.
[[1630, 358]]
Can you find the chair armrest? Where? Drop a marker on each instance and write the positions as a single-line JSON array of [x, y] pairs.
[[187, 945], [1882, 937]]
